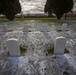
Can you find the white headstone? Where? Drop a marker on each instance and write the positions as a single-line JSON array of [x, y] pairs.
[[64, 27], [4, 27], [13, 47], [45, 30], [0, 47], [59, 45], [25, 29]]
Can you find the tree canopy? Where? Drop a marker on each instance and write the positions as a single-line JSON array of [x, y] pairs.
[[58, 7], [9, 8]]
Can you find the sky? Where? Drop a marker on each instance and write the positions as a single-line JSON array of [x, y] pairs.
[[34, 6]]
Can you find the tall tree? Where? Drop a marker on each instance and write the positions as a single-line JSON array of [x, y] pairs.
[[59, 7], [9, 8]]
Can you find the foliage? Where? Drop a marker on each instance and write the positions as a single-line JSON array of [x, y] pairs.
[[59, 30], [66, 73], [66, 51], [9, 8], [59, 7], [23, 49], [50, 50]]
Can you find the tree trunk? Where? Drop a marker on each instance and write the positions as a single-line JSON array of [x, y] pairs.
[[65, 16]]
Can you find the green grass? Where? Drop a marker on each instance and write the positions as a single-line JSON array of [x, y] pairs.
[[22, 19], [71, 18], [35, 19], [3, 20], [44, 19]]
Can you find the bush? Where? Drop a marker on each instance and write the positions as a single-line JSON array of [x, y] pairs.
[[23, 49]]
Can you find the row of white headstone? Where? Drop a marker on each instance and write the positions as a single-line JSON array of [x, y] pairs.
[[14, 50], [45, 29], [4, 28]]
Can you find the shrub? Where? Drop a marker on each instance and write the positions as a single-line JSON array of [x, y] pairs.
[[23, 49]]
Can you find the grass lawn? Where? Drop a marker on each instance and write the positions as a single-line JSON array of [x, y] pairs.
[[44, 19]]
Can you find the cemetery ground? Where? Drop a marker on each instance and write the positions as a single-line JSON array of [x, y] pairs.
[[36, 42]]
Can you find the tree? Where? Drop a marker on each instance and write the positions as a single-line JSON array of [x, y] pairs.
[[58, 7], [9, 8]]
